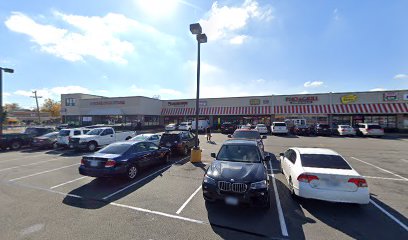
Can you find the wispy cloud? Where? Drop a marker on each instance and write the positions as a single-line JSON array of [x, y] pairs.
[[164, 93], [377, 89], [313, 84], [53, 93], [401, 76], [223, 22], [238, 40]]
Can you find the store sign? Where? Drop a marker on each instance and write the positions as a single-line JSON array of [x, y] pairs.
[[202, 103], [406, 97], [265, 101], [254, 101], [102, 103], [390, 96], [177, 104], [348, 98], [302, 100]]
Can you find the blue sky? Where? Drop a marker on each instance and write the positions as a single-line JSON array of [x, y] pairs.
[[144, 47]]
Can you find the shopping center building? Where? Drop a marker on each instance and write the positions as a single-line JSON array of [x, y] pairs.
[[387, 108]]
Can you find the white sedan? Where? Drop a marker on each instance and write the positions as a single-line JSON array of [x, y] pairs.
[[323, 174], [171, 127], [148, 137], [262, 129], [346, 130]]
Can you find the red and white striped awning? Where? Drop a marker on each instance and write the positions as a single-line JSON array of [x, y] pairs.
[[368, 108], [248, 110]]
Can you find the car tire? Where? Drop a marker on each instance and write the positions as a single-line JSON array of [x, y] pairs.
[[92, 146], [132, 172], [15, 145]]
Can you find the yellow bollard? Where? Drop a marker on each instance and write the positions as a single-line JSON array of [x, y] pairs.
[[195, 155]]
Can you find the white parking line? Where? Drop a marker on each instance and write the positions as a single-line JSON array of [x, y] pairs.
[[23, 157], [140, 180], [382, 169], [384, 178], [62, 184], [31, 164], [390, 215], [35, 174], [188, 200], [278, 205]]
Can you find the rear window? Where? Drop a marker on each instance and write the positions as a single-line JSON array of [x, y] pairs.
[[280, 124], [247, 134], [374, 127], [64, 133], [169, 138], [324, 161], [115, 149]]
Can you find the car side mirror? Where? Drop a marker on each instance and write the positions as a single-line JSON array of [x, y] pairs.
[[281, 154], [213, 155], [267, 158], [264, 137], [229, 136]]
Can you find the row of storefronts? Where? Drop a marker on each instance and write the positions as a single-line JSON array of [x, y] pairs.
[[387, 108]]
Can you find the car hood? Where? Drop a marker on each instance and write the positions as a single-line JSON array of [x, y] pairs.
[[102, 155], [239, 171], [85, 136]]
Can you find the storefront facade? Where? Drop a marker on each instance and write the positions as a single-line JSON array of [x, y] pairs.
[[387, 108]]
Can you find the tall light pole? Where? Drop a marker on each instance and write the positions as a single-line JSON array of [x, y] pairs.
[[38, 107], [7, 70], [196, 29]]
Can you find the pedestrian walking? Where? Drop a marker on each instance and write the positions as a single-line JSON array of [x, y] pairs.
[[208, 130]]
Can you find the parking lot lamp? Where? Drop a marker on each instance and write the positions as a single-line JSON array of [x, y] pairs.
[[7, 70]]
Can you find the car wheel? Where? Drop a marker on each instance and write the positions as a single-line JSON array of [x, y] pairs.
[[15, 145], [185, 151], [92, 146], [131, 172]]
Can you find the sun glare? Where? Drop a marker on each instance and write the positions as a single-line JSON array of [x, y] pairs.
[[158, 8]]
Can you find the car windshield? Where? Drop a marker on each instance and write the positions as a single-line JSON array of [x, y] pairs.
[[247, 134], [374, 127], [324, 161], [52, 134], [280, 124], [64, 133], [169, 138], [31, 131], [95, 131], [139, 138], [239, 153], [115, 148]]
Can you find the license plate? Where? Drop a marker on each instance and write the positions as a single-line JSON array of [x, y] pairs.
[[231, 201], [93, 163]]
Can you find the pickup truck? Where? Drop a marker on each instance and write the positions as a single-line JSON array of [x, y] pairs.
[[15, 141], [99, 137]]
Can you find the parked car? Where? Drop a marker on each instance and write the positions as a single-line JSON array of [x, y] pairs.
[[370, 129], [301, 130], [202, 125], [148, 137], [48, 140], [322, 130], [171, 127], [99, 137], [123, 159], [247, 127], [238, 175], [15, 141], [279, 128], [261, 128], [323, 174], [249, 134], [179, 142], [65, 135], [345, 130], [185, 126], [228, 127]]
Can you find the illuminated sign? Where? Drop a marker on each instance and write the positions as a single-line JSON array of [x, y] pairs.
[[301, 100], [390, 96], [178, 104], [348, 98], [254, 101], [120, 102]]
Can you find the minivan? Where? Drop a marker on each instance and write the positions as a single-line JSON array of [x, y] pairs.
[[370, 129]]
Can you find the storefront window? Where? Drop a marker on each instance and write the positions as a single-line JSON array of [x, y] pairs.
[[151, 120]]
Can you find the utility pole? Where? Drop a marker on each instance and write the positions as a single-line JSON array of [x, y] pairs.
[[38, 108]]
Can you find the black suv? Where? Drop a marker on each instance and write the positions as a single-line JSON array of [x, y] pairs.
[[228, 127], [322, 129], [15, 141], [178, 141], [238, 175]]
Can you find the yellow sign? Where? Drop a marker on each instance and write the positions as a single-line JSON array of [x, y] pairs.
[[348, 99]]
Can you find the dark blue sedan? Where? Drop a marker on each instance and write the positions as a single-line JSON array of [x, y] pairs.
[[123, 159]]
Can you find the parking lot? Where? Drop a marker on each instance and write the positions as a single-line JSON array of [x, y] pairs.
[[42, 196]]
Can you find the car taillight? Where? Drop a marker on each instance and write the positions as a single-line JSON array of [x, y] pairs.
[[343, 130], [82, 161], [307, 178], [110, 163], [360, 182]]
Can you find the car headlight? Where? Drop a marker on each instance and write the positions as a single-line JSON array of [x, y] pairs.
[[258, 185], [209, 180]]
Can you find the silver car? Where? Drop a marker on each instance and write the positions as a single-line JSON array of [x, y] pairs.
[[149, 137]]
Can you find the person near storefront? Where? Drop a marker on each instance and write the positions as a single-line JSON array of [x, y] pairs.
[[208, 130]]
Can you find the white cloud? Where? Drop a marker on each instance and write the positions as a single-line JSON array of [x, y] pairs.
[[259, 81], [98, 37], [336, 15], [205, 68], [223, 22], [6, 94], [156, 90], [401, 76], [304, 92], [53, 93], [238, 39], [313, 84], [377, 89]]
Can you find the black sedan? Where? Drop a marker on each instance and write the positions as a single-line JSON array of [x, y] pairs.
[[123, 159], [302, 130], [238, 175]]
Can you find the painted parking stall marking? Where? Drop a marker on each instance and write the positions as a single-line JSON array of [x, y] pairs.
[[39, 173], [382, 169], [188, 200], [389, 215], [27, 165], [68, 182]]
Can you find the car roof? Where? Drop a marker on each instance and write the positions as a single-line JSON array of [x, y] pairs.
[[322, 151], [175, 132], [126, 142], [241, 141], [279, 122], [246, 130]]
